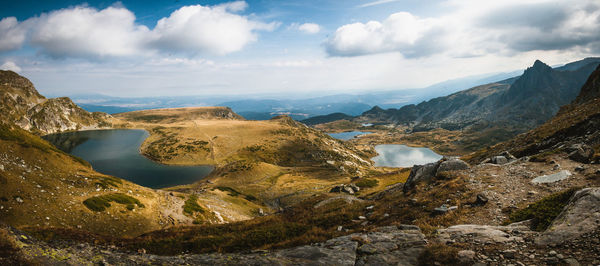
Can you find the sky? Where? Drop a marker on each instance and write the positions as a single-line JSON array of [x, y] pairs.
[[308, 47]]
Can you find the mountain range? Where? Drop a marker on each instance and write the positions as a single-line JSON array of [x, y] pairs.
[[530, 100]]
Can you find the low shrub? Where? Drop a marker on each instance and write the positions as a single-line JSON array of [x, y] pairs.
[[100, 203], [191, 205], [544, 211], [367, 183]]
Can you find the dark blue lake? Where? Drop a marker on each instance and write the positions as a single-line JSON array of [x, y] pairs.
[[116, 153], [396, 155], [347, 135]]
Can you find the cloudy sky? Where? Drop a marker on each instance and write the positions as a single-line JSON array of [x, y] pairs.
[[181, 47]]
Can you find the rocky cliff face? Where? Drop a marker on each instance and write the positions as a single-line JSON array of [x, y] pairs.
[[20, 103]]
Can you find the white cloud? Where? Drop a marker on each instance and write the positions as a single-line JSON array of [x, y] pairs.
[[207, 29], [476, 28], [12, 34], [310, 28], [10, 65], [401, 31], [86, 32]]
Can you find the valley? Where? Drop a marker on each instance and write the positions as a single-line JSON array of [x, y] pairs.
[[291, 193]]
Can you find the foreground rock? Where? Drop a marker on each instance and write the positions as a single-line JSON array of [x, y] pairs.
[[562, 175], [390, 245], [580, 216], [483, 234], [346, 188], [428, 172]]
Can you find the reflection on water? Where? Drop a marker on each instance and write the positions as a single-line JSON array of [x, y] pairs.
[[395, 155], [347, 135], [116, 152]]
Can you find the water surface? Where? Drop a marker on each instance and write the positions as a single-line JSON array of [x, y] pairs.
[[116, 153], [396, 155], [347, 135]]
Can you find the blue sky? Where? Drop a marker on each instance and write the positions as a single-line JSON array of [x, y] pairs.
[[154, 48]]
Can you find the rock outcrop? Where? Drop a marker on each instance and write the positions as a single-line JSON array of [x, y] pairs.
[[428, 172], [580, 216], [21, 104]]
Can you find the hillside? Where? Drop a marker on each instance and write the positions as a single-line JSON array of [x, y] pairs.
[[574, 123], [533, 98], [23, 105], [326, 118]]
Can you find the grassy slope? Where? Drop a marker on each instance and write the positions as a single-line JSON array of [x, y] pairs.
[[52, 186], [279, 162]]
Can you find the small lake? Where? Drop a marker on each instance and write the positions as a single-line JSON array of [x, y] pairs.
[[396, 155], [347, 135], [116, 153]]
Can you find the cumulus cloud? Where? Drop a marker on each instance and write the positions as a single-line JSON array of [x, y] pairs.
[[207, 29], [13, 34], [404, 32], [309, 28], [10, 65], [476, 28], [86, 32]]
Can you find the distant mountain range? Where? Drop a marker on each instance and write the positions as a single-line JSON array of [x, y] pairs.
[[528, 101], [266, 107]]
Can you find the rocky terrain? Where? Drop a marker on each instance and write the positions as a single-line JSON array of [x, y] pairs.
[[475, 118], [303, 198], [23, 105]]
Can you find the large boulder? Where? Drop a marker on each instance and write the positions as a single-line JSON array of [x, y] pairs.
[[421, 173], [452, 165], [580, 153], [559, 176], [580, 216], [485, 234]]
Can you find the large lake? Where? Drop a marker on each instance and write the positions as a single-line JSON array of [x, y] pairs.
[[347, 135], [396, 155], [116, 153]]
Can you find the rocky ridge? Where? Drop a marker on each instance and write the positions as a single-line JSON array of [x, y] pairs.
[[22, 105]]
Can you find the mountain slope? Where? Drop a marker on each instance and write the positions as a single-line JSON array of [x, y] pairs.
[[20, 103], [574, 123], [533, 98]]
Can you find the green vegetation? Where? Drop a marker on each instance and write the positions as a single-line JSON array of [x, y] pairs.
[[24, 138], [191, 206], [367, 183], [544, 211], [100, 203], [106, 181]]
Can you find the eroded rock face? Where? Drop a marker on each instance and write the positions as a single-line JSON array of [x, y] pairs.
[[580, 216], [420, 173]]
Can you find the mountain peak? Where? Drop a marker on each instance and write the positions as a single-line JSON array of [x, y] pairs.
[[539, 64]]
